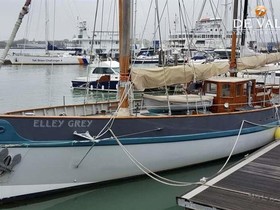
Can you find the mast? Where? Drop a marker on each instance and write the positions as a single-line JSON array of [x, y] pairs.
[[23, 12], [201, 10], [245, 14], [134, 28], [233, 65], [124, 48], [225, 19], [46, 26], [93, 33]]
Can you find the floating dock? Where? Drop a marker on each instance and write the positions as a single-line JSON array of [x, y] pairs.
[[253, 183]]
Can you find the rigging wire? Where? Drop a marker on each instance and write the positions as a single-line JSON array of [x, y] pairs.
[[91, 54], [134, 21], [75, 7], [168, 17], [249, 31], [26, 31], [101, 25], [216, 14], [145, 25], [53, 34], [274, 36], [39, 19], [146, 22], [113, 27], [274, 22], [185, 19], [94, 29]]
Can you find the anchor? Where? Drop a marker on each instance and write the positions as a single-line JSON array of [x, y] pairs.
[[8, 162]]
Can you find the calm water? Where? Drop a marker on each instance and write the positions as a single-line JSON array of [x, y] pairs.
[[31, 86], [132, 194]]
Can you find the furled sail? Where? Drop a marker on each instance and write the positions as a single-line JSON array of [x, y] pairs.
[[257, 61], [145, 78]]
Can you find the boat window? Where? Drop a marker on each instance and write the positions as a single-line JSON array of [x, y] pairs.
[[200, 42], [225, 90], [102, 70], [239, 91], [108, 71], [211, 88], [116, 69]]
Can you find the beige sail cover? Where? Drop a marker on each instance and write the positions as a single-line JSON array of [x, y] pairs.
[[257, 61], [144, 78]]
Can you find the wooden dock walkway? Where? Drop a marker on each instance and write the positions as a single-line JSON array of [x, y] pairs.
[[252, 184]]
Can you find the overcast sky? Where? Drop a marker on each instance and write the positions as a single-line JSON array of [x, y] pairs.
[[66, 12]]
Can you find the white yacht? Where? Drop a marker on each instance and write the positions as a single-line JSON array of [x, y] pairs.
[[104, 75], [208, 34], [105, 43]]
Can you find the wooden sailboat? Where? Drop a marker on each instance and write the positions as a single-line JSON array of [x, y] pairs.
[[54, 148]]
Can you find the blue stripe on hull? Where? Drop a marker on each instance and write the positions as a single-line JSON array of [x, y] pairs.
[[8, 135]]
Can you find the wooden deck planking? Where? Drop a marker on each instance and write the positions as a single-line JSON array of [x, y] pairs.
[[254, 185], [222, 199]]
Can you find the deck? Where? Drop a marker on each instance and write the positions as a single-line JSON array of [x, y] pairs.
[[253, 183]]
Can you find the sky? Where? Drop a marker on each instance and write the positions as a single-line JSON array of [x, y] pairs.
[[65, 14]]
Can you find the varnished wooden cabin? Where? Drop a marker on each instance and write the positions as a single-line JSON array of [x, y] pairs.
[[234, 94]]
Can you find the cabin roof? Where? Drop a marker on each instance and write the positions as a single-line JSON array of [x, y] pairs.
[[229, 79], [111, 64]]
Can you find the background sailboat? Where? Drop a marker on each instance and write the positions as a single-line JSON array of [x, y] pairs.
[[49, 57]]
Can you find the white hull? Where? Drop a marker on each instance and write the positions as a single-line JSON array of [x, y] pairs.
[[36, 173], [48, 60]]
